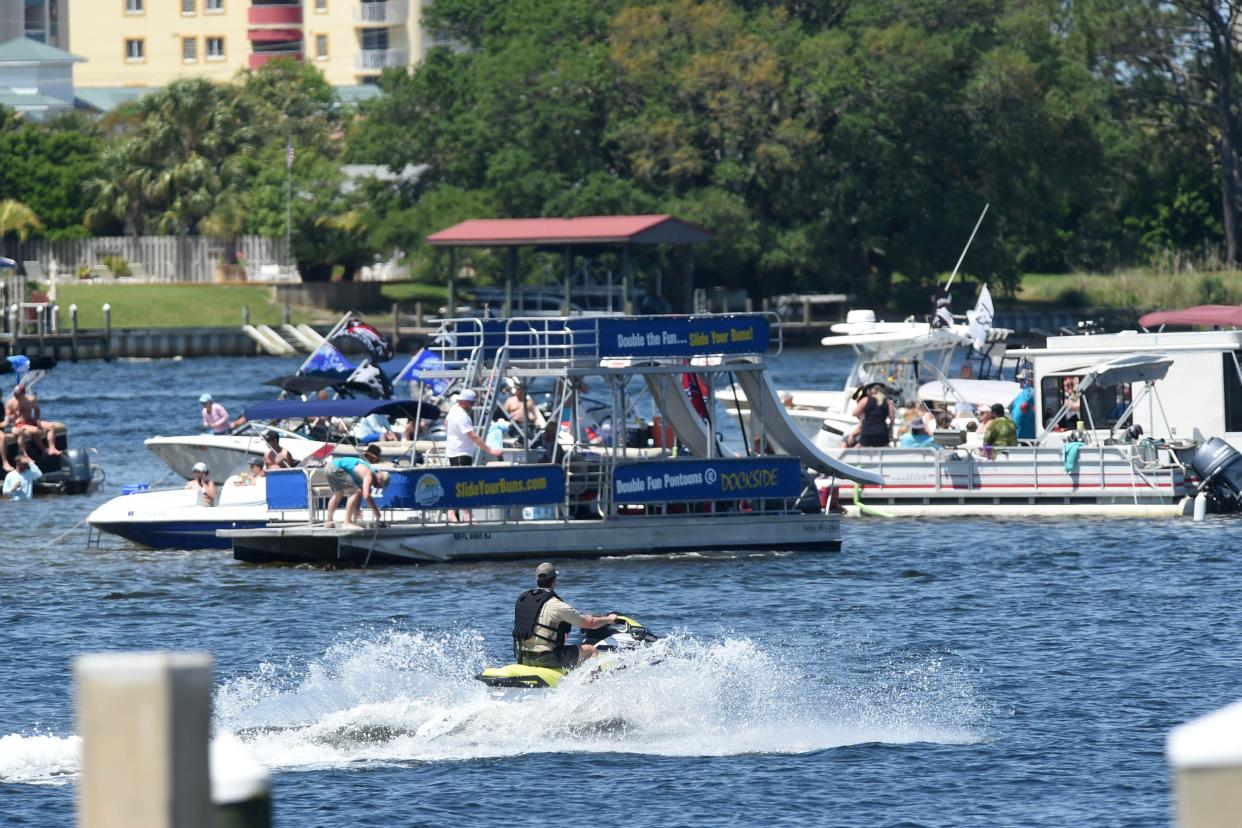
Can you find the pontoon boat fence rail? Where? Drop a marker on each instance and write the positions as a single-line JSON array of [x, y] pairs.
[[553, 343]]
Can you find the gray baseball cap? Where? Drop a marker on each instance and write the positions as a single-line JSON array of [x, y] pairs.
[[545, 572]]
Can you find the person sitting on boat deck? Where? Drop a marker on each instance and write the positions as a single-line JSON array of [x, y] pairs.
[[206, 493], [460, 433], [542, 621], [215, 417], [1022, 409], [524, 416], [917, 436], [875, 415], [19, 482], [1000, 429], [276, 457], [23, 414], [354, 476], [257, 472]]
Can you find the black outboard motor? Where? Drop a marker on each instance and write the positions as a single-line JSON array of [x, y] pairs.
[[75, 465], [1220, 467]]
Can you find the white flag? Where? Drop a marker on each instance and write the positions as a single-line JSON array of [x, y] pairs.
[[980, 319]]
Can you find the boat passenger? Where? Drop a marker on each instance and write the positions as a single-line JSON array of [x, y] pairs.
[[875, 415], [459, 425], [354, 476], [215, 417], [22, 412], [1000, 429], [257, 471], [542, 621], [918, 437], [1022, 409], [206, 493], [524, 416], [276, 457], [19, 482]]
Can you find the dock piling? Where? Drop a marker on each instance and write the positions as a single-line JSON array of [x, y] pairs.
[[418, 314], [396, 326], [107, 337], [73, 333]]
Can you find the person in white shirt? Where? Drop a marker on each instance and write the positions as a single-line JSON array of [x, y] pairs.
[[19, 483], [459, 425]]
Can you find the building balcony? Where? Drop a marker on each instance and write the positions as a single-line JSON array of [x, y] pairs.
[[275, 15], [392, 13], [293, 36], [376, 60], [259, 58]]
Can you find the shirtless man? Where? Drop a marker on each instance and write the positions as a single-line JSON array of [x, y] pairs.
[[23, 414], [523, 413], [276, 457]]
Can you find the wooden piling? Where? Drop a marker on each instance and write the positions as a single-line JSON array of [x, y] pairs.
[[73, 333], [107, 336]]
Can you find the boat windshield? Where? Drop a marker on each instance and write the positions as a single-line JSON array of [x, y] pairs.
[[1106, 404]]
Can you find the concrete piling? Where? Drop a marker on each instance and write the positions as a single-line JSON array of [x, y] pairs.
[[144, 719]]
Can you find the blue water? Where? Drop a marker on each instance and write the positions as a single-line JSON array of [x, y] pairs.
[[933, 672]]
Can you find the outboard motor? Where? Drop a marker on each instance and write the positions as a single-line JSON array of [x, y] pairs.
[[1220, 467], [76, 467]]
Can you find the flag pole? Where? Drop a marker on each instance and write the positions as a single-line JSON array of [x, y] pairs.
[[953, 275], [289, 201]]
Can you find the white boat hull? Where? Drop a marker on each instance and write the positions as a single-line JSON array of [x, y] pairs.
[[629, 535]]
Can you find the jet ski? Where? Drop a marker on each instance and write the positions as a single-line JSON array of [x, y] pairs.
[[623, 634]]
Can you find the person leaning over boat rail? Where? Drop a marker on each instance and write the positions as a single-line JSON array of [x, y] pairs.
[[354, 476], [542, 621], [19, 482], [205, 491]]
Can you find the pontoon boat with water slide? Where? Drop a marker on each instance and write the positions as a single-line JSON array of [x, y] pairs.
[[633, 493]]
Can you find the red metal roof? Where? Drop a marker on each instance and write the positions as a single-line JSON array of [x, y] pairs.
[[562, 231], [1220, 316]]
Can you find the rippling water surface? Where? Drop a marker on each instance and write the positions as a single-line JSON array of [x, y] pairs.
[[934, 672]]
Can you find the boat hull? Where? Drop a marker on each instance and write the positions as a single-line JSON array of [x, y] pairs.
[[631, 535]]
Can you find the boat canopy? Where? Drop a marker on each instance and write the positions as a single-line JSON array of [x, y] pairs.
[[1216, 316], [298, 410], [1128, 368], [976, 392]]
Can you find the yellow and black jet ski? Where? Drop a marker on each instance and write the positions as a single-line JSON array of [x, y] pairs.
[[623, 634]]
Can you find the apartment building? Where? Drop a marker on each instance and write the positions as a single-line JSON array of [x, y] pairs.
[[38, 20], [148, 43]]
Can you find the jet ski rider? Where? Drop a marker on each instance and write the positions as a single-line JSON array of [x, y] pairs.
[[541, 621]]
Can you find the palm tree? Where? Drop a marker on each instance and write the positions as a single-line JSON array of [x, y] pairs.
[[16, 219]]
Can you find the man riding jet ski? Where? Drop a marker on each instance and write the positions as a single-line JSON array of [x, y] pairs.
[[541, 623]]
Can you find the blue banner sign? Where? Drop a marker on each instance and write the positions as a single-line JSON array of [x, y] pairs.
[[464, 487], [683, 336], [440, 487], [734, 479]]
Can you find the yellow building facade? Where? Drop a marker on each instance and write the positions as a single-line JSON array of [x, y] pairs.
[[148, 43]]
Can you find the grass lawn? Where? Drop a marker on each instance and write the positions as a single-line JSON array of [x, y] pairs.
[[176, 306], [407, 293], [1141, 289]]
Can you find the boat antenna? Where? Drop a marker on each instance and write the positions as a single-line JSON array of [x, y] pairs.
[[953, 275]]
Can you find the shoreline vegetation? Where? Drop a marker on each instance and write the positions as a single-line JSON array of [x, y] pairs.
[[210, 305]]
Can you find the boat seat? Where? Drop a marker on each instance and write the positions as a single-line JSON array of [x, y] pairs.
[[950, 438]]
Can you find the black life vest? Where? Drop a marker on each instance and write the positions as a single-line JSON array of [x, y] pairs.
[[526, 620]]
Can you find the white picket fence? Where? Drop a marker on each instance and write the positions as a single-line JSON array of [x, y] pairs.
[[160, 258]]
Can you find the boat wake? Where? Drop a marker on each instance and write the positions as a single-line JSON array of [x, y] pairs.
[[401, 697], [411, 697]]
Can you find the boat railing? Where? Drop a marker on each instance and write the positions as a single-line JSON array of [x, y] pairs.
[[554, 343]]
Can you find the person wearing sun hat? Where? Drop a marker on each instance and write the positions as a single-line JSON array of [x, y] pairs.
[[542, 621]]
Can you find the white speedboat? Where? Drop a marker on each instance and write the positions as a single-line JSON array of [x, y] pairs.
[[172, 518]]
